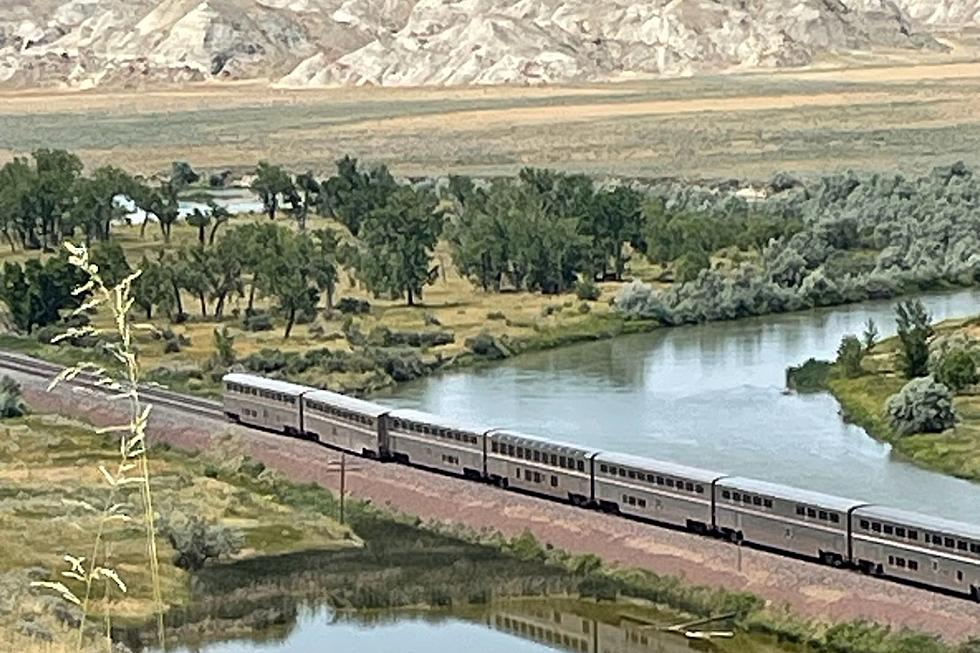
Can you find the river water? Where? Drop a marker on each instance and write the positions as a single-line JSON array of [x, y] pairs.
[[710, 396]]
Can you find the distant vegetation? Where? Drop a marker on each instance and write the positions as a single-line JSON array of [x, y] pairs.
[[694, 253]]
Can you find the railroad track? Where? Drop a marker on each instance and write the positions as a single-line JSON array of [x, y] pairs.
[[149, 393]]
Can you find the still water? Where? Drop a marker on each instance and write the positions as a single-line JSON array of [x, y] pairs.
[[709, 396], [517, 627]]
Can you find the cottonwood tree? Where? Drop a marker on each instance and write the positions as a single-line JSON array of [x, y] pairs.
[[200, 220], [288, 276], [397, 241], [914, 331], [302, 195], [219, 216], [325, 263], [270, 182], [351, 195]]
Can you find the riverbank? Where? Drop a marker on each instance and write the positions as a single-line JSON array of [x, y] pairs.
[[674, 564], [862, 401]]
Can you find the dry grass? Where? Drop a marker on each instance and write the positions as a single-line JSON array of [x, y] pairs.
[[44, 459], [906, 116]]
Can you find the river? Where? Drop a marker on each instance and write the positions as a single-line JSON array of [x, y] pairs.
[[710, 396]]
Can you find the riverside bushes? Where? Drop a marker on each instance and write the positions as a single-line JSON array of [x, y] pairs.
[[923, 405]]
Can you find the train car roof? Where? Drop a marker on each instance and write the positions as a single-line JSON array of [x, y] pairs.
[[272, 385], [412, 415], [546, 443], [344, 402], [920, 521], [841, 504], [651, 465]]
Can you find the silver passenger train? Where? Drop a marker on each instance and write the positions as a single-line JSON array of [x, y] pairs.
[[837, 531]]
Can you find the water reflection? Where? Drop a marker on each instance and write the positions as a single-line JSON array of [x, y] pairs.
[[532, 626], [709, 396]]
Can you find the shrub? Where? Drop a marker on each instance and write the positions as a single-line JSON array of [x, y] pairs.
[[584, 308], [496, 315], [811, 376], [257, 322], [352, 306], [638, 300], [922, 406], [11, 400], [850, 353], [587, 291], [488, 346], [196, 541], [957, 370], [914, 330]]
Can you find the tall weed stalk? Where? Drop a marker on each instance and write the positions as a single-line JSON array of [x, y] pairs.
[[131, 471]]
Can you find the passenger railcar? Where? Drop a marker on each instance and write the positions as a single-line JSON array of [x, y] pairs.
[[345, 423], [419, 438], [913, 547], [804, 523], [655, 490], [266, 403], [553, 469]]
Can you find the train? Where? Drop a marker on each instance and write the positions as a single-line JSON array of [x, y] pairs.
[[872, 539]]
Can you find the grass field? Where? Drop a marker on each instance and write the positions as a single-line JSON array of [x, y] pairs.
[[904, 116], [45, 459]]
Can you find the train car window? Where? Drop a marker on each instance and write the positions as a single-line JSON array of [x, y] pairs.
[[631, 474], [936, 539], [660, 480], [554, 481], [757, 501], [913, 565], [517, 473], [537, 456], [889, 530], [527, 475], [961, 545], [510, 450], [563, 462], [520, 452], [725, 494], [949, 542], [580, 465], [876, 527], [642, 502], [612, 470], [689, 487], [899, 532], [736, 497], [622, 472], [959, 576], [554, 460], [670, 483], [891, 560], [975, 548], [913, 535], [493, 447], [765, 502], [801, 511], [537, 477], [901, 562], [811, 512], [824, 516], [834, 518]]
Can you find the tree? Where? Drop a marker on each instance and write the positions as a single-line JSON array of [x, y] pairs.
[[270, 182], [850, 353], [183, 175], [547, 250], [224, 349], [95, 206], [615, 219], [870, 335], [288, 276], [923, 405], [914, 331], [219, 216], [152, 288], [302, 195], [200, 220], [37, 292], [689, 265], [325, 264], [111, 259], [225, 276], [51, 195], [351, 195], [397, 242], [957, 370]]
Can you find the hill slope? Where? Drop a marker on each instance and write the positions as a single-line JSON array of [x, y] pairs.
[[82, 43]]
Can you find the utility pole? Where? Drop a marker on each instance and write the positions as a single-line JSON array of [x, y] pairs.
[[343, 484]]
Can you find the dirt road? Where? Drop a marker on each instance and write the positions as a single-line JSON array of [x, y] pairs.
[[809, 589]]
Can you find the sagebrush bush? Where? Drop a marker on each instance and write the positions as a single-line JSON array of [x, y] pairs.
[[923, 405], [195, 541], [587, 290]]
